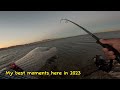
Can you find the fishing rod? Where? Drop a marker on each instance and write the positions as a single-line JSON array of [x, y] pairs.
[[110, 48]]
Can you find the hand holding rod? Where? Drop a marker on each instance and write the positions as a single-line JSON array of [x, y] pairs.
[[109, 47]]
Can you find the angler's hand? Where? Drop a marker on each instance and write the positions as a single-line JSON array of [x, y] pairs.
[[115, 43]]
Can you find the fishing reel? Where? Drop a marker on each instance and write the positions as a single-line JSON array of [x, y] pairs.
[[102, 64]]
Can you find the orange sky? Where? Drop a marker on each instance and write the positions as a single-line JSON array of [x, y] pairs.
[[18, 27]]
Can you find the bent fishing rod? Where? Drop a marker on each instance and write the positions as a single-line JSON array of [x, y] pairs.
[[109, 47]]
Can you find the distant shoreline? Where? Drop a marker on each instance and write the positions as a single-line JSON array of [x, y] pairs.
[[47, 40]]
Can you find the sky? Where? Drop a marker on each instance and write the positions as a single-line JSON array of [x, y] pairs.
[[22, 27]]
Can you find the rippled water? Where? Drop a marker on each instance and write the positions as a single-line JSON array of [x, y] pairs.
[[74, 52]]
